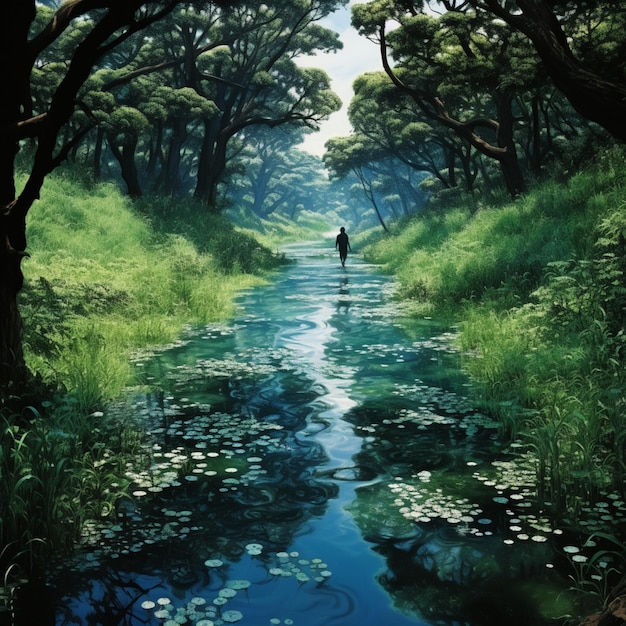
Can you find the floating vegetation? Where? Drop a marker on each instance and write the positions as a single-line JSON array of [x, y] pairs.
[[250, 365], [216, 607], [290, 564], [426, 406], [420, 503], [219, 453], [220, 440]]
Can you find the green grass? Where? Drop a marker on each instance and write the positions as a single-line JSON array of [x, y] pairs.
[[101, 283], [538, 288]]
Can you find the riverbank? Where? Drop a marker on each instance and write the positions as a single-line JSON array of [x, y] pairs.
[[536, 287], [105, 278]]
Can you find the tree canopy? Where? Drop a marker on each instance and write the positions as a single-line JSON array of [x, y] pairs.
[[466, 84]]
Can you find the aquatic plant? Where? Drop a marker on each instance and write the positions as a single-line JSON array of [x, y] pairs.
[[217, 605], [597, 566]]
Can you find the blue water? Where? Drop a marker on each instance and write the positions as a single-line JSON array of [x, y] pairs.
[[342, 447]]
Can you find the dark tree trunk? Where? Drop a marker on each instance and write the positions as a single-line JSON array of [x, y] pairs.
[[14, 66], [259, 187], [509, 163], [97, 154], [211, 164], [171, 179], [13, 370], [205, 159], [128, 166], [451, 167], [156, 150], [535, 158], [597, 99]]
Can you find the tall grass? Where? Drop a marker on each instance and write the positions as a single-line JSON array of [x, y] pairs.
[[57, 471], [538, 287], [102, 281], [105, 278]]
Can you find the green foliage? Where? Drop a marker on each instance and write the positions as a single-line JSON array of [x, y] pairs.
[[232, 251], [538, 287], [101, 281], [57, 471]]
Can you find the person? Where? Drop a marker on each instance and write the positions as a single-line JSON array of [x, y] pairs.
[[343, 243]]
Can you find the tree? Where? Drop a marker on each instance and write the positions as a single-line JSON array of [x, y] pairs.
[[582, 45], [240, 61], [254, 80], [47, 55], [454, 61], [389, 118], [355, 154], [470, 66]]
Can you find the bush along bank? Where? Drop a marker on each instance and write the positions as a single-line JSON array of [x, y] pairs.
[[538, 290], [103, 281]]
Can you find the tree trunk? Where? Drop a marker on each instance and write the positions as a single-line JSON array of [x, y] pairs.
[[369, 192], [509, 163], [13, 44], [97, 154], [451, 167], [13, 371], [211, 165], [259, 189], [126, 158], [171, 179], [535, 159]]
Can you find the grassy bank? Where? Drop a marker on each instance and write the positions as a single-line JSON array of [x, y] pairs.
[[105, 278], [538, 289]]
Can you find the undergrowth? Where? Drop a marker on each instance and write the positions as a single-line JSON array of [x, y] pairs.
[[105, 278], [538, 288]]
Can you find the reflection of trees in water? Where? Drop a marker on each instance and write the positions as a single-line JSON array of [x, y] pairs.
[[439, 569], [482, 599], [220, 516], [111, 599]]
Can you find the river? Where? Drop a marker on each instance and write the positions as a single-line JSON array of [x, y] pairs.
[[316, 462]]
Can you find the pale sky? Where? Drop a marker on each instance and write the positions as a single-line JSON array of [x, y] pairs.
[[359, 55]]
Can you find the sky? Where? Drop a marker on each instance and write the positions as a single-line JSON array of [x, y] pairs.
[[359, 55]]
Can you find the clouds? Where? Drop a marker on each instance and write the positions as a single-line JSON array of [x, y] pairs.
[[359, 55]]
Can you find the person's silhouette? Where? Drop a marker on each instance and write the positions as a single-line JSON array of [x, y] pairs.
[[343, 244]]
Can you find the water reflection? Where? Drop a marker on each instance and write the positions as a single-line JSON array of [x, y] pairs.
[[343, 301], [312, 463]]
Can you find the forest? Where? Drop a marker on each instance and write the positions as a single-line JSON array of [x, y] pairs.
[[152, 170]]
